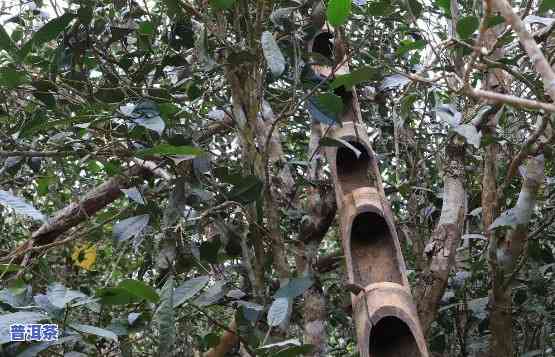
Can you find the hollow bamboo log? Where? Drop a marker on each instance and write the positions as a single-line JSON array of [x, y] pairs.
[[385, 315]]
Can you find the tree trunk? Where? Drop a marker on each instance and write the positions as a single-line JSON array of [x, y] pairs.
[[440, 250]]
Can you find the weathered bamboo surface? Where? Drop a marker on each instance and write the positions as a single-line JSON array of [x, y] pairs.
[[384, 312]]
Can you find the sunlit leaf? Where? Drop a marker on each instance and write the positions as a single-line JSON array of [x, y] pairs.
[[279, 311], [189, 289], [130, 227], [469, 132], [357, 76], [212, 295], [93, 330], [6, 43], [295, 287], [272, 54], [338, 12], [134, 194], [20, 206], [139, 289]]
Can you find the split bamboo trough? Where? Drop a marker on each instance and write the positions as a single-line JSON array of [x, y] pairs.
[[385, 316]]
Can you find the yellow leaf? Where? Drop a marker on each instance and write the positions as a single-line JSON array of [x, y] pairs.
[[84, 256]]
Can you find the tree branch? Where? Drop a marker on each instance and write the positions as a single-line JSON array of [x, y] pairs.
[[36, 153], [92, 202], [495, 97], [536, 56]]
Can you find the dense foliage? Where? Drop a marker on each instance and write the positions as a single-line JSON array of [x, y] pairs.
[[146, 211]]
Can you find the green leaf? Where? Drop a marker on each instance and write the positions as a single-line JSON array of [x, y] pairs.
[[250, 310], [9, 268], [546, 5], [406, 46], [295, 287], [85, 14], [319, 114], [360, 75], [415, 8], [294, 351], [20, 206], [60, 296], [146, 28], [34, 349], [167, 149], [134, 194], [222, 4], [511, 217], [93, 330], [329, 107], [212, 295], [247, 190], [130, 227], [189, 289], [445, 5], [6, 43], [279, 311], [10, 77], [272, 54], [116, 296], [494, 20], [209, 250], [47, 33], [338, 12], [330, 103], [467, 25], [165, 316], [174, 8], [140, 289]]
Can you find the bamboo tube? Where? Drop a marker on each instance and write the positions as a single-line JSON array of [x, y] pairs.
[[384, 312]]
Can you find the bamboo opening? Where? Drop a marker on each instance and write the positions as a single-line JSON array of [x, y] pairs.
[[353, 171], [391, 337], [373, 251], [323, 45]]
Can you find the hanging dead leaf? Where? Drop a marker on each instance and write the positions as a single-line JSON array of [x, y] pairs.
[[84, 256]]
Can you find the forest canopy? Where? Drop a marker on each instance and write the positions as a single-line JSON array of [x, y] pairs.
[[171, 181]]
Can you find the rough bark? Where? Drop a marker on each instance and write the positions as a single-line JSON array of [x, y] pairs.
[[314, 226], [441, 249], [508, 250]]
